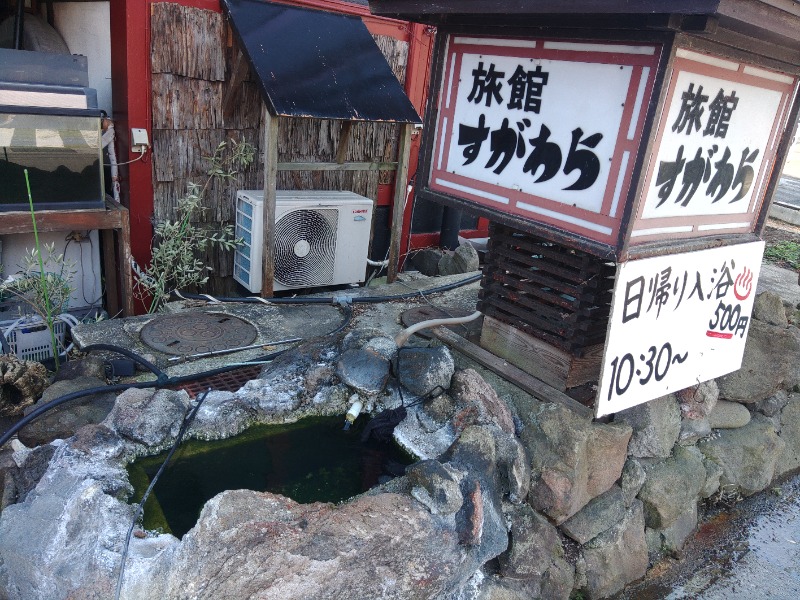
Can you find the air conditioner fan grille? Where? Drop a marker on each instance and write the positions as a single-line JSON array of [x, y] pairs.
[[305, 247]]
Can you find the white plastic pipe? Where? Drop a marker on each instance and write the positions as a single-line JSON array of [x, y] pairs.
[[402, 337]]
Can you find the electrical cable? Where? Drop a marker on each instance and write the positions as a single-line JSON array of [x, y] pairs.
[[140, 157], [187, 422], [329, 299]]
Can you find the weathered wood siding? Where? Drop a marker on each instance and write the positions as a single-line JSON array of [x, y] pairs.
[[192, 54]]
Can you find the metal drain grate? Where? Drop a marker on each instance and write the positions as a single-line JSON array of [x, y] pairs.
[[223, 382]]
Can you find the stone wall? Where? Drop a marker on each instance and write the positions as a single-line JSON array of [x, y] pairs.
[[511, 500]]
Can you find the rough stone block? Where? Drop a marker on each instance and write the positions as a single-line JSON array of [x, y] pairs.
[[617, 557], [436, 485], [426, 261], [789, 460], [656, 425], [675, 536], [748, 455], [165, 410], [713, 474], [697, 401], [693, 430], [632, 480], [598, 516], [765, 366], [534, 547], [768, 308], [672, 485], [572, 459], [773, 405], [421, 370], [470, 390]]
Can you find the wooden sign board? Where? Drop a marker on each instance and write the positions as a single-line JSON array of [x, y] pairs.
[[714, 148], [677, 320], [546, 130]]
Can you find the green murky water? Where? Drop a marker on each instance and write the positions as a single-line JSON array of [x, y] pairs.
[[312, 460]]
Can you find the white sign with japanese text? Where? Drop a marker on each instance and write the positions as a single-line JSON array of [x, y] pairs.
[[543, 129], [677, 320], [714, 148]]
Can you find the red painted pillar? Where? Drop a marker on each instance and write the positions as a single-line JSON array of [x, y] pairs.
[[130, 79]]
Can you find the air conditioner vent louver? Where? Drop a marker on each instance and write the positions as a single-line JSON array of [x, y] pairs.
[[305, 247]]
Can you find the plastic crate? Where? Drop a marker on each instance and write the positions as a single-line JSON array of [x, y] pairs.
[[29, 338]]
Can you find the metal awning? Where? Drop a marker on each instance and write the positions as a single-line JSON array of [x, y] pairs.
[[312, 63]]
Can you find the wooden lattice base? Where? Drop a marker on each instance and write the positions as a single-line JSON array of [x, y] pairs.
[[546, 305]]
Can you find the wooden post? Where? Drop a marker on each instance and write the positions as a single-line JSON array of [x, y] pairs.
[[399, 205], [270, 177]]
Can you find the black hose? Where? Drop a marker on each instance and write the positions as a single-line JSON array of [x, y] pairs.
[[334, 299], [39, 411], [132, 355], [159, 383]]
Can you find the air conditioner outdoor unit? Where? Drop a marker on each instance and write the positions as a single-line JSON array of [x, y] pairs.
[[321, 238]]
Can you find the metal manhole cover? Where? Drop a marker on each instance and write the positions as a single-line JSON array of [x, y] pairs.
[[196, 332]]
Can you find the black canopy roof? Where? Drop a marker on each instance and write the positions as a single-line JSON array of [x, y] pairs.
[[312, 63]]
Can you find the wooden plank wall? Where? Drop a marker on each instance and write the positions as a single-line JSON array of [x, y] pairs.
[[192, 54]]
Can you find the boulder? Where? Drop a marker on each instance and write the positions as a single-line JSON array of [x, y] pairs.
[[616, 557], [572, 459], [698, 401], [728, 415], [672, 486], [713, 475], [63, 421], [495, 457], [789, 460], [693, 430], [656, 425], [426, 261], [437, 486], [89, 366], [364, 370], [165, 410], [463, 260], [21, 384], [598, 516], [466, 258], [768, 308], [422, 370], [674, 537], [773, 405], [748, 455], [479, 400], [765, 366], [632, 480], [535, 554], [248, 544], [74, 549]]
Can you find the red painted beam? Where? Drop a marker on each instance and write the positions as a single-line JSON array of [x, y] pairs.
[[417, 73], [131, 89]]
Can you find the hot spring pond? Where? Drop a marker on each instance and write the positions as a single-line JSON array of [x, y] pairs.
[[312, 460]]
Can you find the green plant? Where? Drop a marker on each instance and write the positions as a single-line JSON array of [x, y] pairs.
[[176, 244], [46, 293], [786, 251]]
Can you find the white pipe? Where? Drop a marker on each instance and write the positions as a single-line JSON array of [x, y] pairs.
[[378, 263], [354, 411], [402, 337]]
